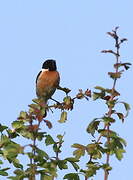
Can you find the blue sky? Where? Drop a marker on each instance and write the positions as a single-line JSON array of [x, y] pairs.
[[73, 32]]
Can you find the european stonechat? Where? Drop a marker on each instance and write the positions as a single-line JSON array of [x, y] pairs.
[[47, 80]]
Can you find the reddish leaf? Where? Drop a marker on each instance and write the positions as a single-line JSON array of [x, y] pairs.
[[48, 123], [33, 128], [106, 98], [39, 117]]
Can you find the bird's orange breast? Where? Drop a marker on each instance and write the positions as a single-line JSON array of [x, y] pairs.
[[47, 83]]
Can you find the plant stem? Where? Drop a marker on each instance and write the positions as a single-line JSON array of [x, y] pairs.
[[117, 54], [32, 160]]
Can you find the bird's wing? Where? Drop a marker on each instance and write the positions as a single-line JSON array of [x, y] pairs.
[[38, 76]]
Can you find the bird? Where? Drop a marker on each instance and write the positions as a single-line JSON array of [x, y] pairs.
[[47, 80]]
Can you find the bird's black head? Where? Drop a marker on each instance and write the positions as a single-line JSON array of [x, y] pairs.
[[49, 64]]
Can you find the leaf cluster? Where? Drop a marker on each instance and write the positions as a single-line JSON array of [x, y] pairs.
[[32, 125]]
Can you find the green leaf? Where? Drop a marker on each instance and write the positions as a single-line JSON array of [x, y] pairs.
[[75, 166], [127, 107], [57, 145], [99, 88], [23, 114], [42, 153], [106, 167], [108, 90], [71, 176], [97, 95], [60, 137], [62, 164], [111, 103], [17, 164], [37, 101], [72, 161], [17, 124], [46, 177], [15, 178], [115, 143], [119, 153], [107, 133], [108, 120], [120, 116], [4, 140], [35, 109], [3, 173], [63, 117], [5, 169], [67, 100], [23, 117], [12, 133], [92, 149], [2, 128], [40, 135], [49, 140], [80, 146], [34, 106], [93, 126], [26, 133], [101, 149], [12, 150], [55, 148], [80, 150], [115, 75], [30, 155], [66, 90], [92, 169], [49, 168], [19, 172], [123, 141], [20, 175], [78, 153], [1, 162]]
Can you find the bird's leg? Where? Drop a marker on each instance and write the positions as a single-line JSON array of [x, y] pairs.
[[55, 101]]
